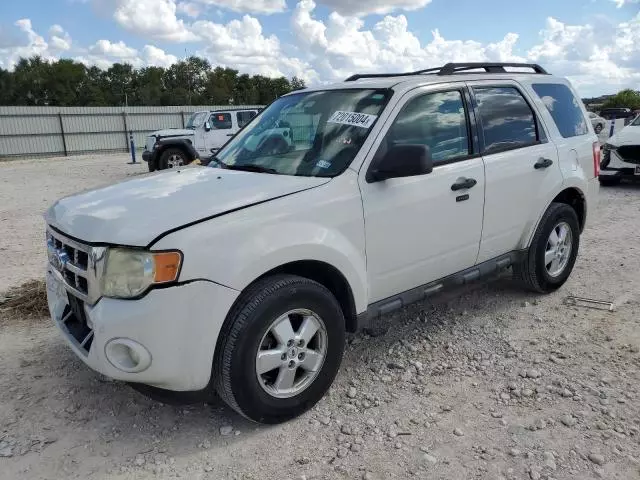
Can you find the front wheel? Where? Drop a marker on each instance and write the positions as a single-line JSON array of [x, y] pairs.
[[172, 158], [553, 250], [279, 349]]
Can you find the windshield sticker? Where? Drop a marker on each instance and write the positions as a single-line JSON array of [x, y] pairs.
[[323, 164], [355, 119]]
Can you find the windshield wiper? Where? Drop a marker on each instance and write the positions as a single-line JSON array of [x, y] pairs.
[[251, 168]]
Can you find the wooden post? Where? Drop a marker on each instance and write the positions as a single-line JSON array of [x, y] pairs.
[[64, 140]]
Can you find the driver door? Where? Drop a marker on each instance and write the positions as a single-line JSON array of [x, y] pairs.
[[221, 129], [422, 228]]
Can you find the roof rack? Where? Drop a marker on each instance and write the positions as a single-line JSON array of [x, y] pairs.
[[453, 68]]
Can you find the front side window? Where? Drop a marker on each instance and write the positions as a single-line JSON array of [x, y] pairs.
[[308, 134], [564, 108], [196, 120], [437, 120], [220, 121], [507, 120], [636, 122]]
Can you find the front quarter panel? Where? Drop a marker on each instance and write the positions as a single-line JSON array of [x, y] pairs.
[[323, 224]]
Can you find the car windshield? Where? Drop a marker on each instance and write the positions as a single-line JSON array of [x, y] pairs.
[[196, 120], [307, 134]]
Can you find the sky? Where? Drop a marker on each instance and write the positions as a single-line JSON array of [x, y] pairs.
[[595, 43]]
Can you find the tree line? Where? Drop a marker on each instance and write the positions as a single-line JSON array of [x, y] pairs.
[[66, 83], [625, 98]]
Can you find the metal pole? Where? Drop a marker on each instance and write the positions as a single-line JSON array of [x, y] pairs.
[[182, 118], [64, 140], [126, 139], [613, 124], [133, 148]]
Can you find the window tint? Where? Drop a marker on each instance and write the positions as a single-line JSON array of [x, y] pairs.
[[245, 117], [436, 120], [221, 121], [507, 119], [564, 107]]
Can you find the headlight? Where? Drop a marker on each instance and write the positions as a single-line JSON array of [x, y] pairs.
[[129, 273]]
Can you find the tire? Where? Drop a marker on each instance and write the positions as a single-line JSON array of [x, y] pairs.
[[598, 128], [609, 181], [249, 326], [172, 158], [152, 165], [534, 273]]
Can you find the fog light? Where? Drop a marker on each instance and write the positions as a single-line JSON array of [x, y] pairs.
[[127, 355]]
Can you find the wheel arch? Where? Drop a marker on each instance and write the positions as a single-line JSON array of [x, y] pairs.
[[573, 196], [183, 145], [326, 275]]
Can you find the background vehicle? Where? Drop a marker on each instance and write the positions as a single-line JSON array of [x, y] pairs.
[[597, 122], [405, 184], [203, 135], [621, 155], [617, 112]]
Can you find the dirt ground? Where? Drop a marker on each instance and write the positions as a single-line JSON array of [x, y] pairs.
[[487, 382]]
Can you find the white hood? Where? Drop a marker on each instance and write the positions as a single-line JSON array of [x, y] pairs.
[[135, 212], [629, 135], [173, 132]]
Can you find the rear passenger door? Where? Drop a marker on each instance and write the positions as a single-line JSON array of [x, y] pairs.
[[521, 164]]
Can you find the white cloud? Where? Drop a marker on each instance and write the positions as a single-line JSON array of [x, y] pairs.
[[596, 61], [23, 43], [241, 44], [154, 19], [59, 40], [114, 50], [189, 9], [622, 3], [250, 6], [360, 7], [157, 57]]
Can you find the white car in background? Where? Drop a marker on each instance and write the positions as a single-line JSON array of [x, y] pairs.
[[621, 155], [598, 122]]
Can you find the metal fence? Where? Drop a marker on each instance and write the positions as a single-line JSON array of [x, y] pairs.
[[75, 130]]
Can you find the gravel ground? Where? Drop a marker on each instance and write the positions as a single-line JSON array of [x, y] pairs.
[[485, 382]]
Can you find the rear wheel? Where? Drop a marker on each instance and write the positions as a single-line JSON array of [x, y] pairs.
[[172, 158], [280, 349], [553, 250]]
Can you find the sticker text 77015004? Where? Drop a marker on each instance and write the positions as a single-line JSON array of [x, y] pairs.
[[355, 119]]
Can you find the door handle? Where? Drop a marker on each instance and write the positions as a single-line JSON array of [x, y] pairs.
[[230, 134], [543, 163], [463, 183]]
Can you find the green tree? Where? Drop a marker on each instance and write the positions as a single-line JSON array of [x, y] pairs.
[[626, 98]]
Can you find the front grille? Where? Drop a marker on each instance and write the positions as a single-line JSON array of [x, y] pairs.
[[74, 320], [76, 264], [630, 153]]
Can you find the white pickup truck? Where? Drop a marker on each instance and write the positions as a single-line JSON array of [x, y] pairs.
[[400, 186], [204, 133]]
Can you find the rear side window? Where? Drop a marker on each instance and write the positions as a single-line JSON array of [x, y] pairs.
[[564, 107], [507, 120], [245, 117], [221, 121]]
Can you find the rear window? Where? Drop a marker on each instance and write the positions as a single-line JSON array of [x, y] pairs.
[[564, 108], [245, 117]]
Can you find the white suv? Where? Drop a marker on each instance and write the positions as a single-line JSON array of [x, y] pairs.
[[394, 188], [204, 133]]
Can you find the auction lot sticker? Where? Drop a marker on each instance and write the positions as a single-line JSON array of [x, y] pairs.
[[353, 118]]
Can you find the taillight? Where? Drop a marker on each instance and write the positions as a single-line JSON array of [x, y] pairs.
[[596, 159]]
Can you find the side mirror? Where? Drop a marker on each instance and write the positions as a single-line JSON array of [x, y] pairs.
[[207, 126], [402, 161]]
